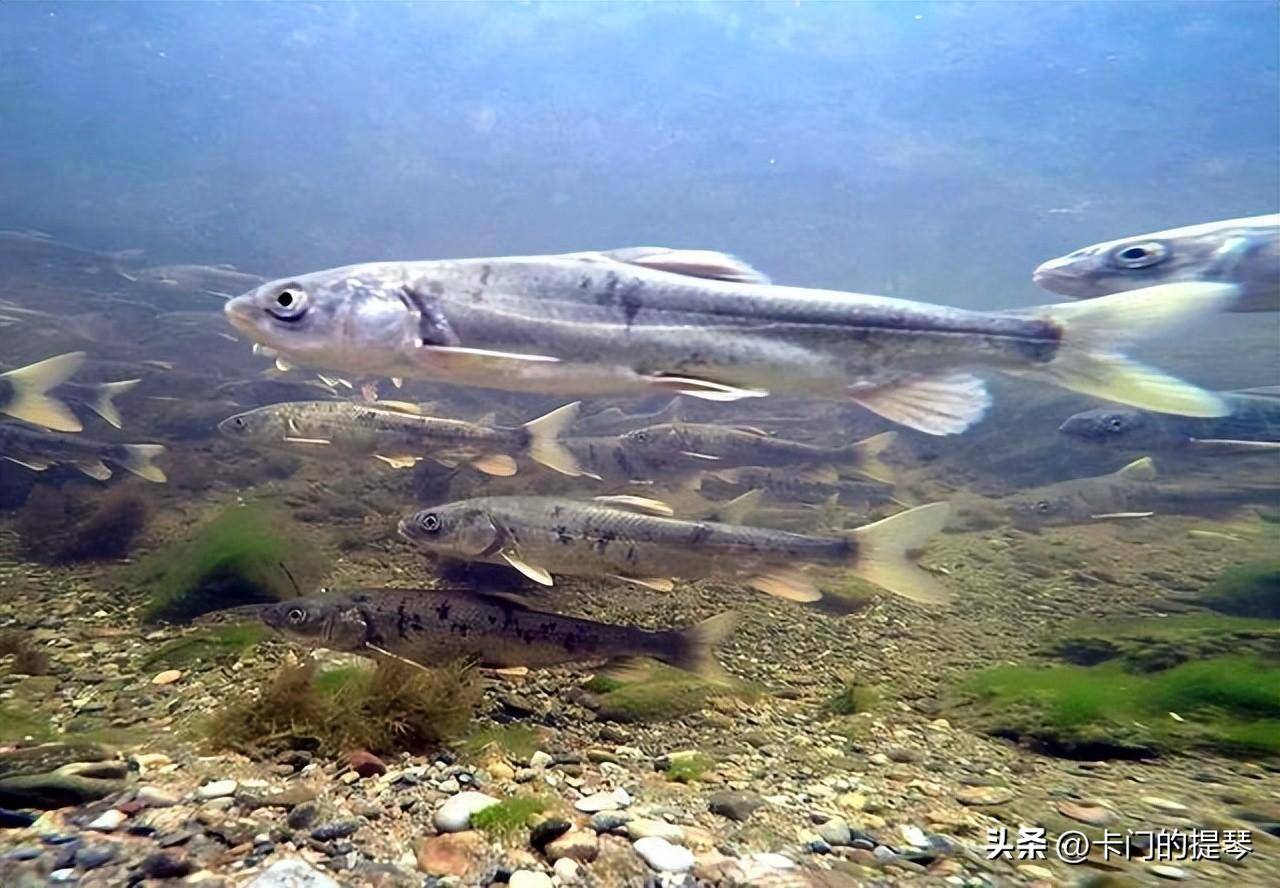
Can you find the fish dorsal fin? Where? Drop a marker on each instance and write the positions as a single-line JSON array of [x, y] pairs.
[[736, 510], [707, 264], [400, 407], [1139, 470], [640, 504], [537, 574]]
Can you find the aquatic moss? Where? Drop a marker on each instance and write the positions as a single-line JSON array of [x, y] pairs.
[[517, 742], [24, 722], [508, 819], [390, 708], [209, 645], [244, 555], [27, 658], [689, 768], [1152, 644], [1247, 590], [661, 694], [851, 699], [58, 527], [1229, 704]]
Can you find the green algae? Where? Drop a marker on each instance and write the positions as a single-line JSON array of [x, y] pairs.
[[206, 646], [1247, 590], [508, 819], [852, 699], [661, 693], [689, 768], [24, 722], [247, 554], [1152, 644], [515, 741]]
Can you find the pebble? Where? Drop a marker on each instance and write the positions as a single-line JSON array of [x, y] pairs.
[[453, 854], [576, 844], [566, 870], [547, 831], [664, 856], [734, 805], [92, 858], [835, 832], [154, 797], [327, 832], [530, 879], [915, 836], [168, 677], [501, 771], [984, 795], [217, 789], [641, 828], [540, 760], [292, 872], [1165, 871], [108, 821], [302, 816], [165, 865], [455, 814], [1093, 815], [1164, 804], [608, 821], [365, 763], [603, 801]]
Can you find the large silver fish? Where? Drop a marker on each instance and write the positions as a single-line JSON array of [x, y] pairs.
[[38, 449], [645, 320], [634, 539], [1252, 426], [401, 436], [430, 627], [1244, 252]]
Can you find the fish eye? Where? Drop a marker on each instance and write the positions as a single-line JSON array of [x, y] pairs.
[[429, 522], [1042, 506], [1140, 255], [1115, 424], [289, 304], [238, 422], [296, 615]]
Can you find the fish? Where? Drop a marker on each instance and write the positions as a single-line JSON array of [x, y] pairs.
[[681, 443], [637, 540], [38, 449], [429, 627], [810, 485], [399, 435], [613, 420], [96, 396], [1244, 252], [24, 392], [218, 281], [1083, 500], [631, 322], [1252, 426], [42, 249]]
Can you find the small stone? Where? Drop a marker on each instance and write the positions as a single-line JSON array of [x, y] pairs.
[[540, 760], [975, 796], [455, 814], [530, 879], [168, 677], [576, 844], [567, 870], [217, 789], [108, 821], [1168, 805], [603, 801], [365, 763], [608, 821], [302, 816], [88, 858], [1035, 871], [835, 832], [734, 805], [1165, 871], [915, 836], [292, 872], [340, 829], [1093, 815], [165, 865], [153, 797], [453, 854], [449, 786], [664, 856], [501, 771], [547, 831], [641, 828]]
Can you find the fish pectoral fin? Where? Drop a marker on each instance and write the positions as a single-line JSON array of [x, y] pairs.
[[1224, 445], [398, 462], [751, 430], [283, 366], [401, 407], [498, 464], [445, 357], [292, 439], [736, 510], [694, 455], [707, 264], [537, 574], [657, 584], [94, 468], [1139, 470], [787, 584], [1120, 516], [705, 389], [35, 465], [386, 653], [397, 381], [640, 504], [943, 405]]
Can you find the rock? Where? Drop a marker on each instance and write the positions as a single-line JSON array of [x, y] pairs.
[[984, 795], [914, 836], [608, 821], [292, 872], [302, 816], [168, 677], [153, 797], [165, 865], [529, 879], [547, 831], [459, 854], [540, 760], [903, 756], [108, 821], [576, 844], [664, 856], [365, 763], [501, 771], [1035, 871], [88, 858], [1165, 871], [1168, 805], [1093, 815], [734, 805], [567, 870], [340, 829], [289, 797], [217, 789], [641, 828], [835, 832], [455, 814], [603, 801]]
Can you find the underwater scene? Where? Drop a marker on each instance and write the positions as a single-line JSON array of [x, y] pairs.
[[640, 444]]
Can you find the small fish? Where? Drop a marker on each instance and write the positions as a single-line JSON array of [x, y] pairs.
[[24, 392], [1244, 252], [399, 435], [37, 449], [613, 420], [735, 446], [636, 540], [1252, 426], [648, 320], [813, 486], [217, 281], [430, 627], [1083, 500]]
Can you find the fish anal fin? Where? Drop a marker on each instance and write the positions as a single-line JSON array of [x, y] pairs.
[[94, 468], [399, 461], [943, 405], [537, 574], [1142, 469], [787, 584], [498, 464]]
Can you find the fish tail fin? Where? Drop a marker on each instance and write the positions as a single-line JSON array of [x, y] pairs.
[[544, 439], [866, 457], [103, 400], [880, 552], [139, 459], [29, 386], [1089, 360], [693, 648]]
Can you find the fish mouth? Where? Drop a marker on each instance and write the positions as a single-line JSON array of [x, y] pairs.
[[402, 528], [241, 314]]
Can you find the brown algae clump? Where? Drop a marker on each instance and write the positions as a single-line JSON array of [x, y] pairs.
[[55, 527], [390, 708], [27, 658]]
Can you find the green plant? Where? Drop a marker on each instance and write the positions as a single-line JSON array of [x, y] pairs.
[[851, 699], [515, 741], [509, 818], [222, 642], [689, 768]]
